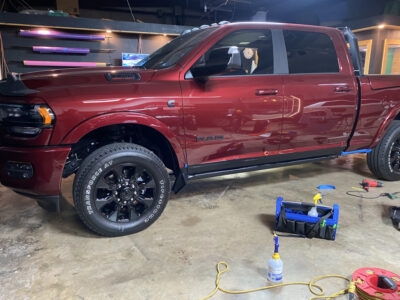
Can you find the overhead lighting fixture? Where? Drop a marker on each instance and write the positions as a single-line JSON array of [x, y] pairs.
[[381, 26], [60, 35], [44, 32], [41, 63], [109, 31], [164, 34], [45, 49]]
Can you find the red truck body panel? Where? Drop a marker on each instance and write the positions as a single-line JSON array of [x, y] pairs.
[[224, 119], [380, 104], [48, 164]]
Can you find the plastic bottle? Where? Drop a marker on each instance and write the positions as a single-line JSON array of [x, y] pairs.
[[275, 264], [313, 211]]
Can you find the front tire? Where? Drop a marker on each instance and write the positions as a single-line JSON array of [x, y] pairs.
[[384, 160], [121, 189]]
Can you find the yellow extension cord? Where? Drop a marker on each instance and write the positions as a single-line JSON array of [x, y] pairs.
[[314, 288]]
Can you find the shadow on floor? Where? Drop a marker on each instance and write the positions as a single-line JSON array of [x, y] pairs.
[[267, 220], [67, 221], [356, 164]]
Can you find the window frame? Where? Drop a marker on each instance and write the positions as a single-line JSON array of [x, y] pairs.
[[368, 44], [279, 61], [386, 45]]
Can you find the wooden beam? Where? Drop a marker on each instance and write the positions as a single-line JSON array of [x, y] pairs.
[[84, 24]]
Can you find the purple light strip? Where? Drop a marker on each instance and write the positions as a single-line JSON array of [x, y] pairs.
[[44, 63], [60, 35], [44, 49]]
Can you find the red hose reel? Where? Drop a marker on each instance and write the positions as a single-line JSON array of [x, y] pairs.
[[374, 283]]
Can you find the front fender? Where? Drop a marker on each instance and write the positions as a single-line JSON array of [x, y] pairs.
[[385, 125], [116, 118]]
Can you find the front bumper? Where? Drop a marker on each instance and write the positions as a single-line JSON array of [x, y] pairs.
[[47, 162]]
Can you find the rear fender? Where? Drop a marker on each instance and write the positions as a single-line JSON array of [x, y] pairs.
[[125, 118], [385, 125]]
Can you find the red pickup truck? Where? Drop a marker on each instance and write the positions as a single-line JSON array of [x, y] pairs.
[[217, 100]]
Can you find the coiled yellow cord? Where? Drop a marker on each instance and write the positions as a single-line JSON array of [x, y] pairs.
[[314, 288]]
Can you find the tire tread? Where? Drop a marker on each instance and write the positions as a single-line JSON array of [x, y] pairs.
[[376, 158]]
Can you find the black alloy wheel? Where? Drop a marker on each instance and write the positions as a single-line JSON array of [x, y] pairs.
[[121, 189], [125, 193], [395, 156]]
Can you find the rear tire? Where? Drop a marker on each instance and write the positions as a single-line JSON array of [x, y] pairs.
[[121, 189], [384, 160]]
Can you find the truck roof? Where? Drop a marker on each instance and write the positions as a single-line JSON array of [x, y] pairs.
[[226, 24], [278, 24]]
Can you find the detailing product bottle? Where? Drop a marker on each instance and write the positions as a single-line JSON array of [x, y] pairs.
[[313, 211], [275, 264]]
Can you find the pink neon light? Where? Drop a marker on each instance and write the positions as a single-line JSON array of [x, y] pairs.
[[63, 63], [61, 35]]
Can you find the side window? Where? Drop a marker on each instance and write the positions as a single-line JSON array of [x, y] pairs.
[[310, 52], [243, 52]]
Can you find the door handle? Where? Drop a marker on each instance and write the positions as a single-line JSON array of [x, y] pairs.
[[264, 92], [342, 89]]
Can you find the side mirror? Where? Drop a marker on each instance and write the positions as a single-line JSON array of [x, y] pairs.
[[203, 71]]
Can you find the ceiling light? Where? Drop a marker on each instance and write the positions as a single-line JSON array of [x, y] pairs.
[[44, 31], [381, 26], [108, 31]]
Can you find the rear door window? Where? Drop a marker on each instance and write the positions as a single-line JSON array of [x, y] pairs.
[[310, 52]]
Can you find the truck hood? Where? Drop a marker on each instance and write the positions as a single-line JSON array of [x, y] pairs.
[[67, 79]]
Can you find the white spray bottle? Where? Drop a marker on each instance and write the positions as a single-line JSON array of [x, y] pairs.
[[313, 211], [275, 264]]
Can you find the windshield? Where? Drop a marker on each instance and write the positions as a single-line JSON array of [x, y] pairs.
[[172, 52]]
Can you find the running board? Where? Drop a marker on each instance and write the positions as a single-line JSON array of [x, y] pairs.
[[259, 167]]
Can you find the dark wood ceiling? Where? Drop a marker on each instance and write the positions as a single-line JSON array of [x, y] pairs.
[[192, 12]]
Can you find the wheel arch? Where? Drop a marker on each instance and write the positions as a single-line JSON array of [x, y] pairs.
[[394, 115], [125, 118]]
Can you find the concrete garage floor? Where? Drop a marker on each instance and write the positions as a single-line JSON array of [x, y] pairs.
[[47, 256]]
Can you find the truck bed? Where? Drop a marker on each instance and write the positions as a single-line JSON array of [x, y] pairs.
[[379, 82]]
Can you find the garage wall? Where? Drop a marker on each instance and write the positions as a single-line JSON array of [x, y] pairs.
[[378, 37], [123, 38], [18, 48]]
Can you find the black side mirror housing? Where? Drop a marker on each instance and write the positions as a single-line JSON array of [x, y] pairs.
[[202, 71]]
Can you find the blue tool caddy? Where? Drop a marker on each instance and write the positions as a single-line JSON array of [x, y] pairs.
[[292, 217]]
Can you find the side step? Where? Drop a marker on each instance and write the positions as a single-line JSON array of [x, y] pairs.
[[259, 167]]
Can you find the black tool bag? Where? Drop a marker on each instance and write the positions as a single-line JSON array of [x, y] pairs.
[[395, 216], [306, 229]]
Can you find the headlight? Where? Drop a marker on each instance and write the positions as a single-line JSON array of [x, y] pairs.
[[26, 119]]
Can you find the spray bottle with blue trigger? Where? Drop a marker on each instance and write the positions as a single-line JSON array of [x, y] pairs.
[[275, 264]]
